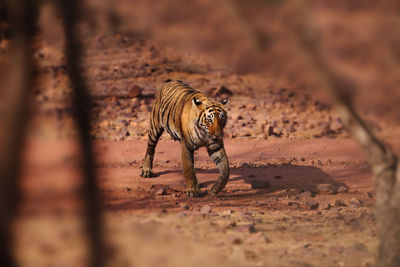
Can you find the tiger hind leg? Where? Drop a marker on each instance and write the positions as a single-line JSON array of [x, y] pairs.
[[153, 137]]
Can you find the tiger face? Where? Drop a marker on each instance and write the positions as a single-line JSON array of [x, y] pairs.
[[212, 117]]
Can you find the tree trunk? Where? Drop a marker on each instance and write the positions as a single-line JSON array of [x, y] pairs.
[[71, 13], [16, 82]]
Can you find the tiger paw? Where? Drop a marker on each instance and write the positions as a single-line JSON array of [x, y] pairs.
[[193, 192], [215, 189], [147, 173]]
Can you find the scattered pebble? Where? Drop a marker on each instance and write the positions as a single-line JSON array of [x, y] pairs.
[[324, 206], [250, 255], [294, 204], [338, 203], [237, 241], [326, 189], [305, 194], [254, 237], [184, 206], [205, 209], [311, 205], [161, 191], [355, 202], [342, 189], [134, 91]]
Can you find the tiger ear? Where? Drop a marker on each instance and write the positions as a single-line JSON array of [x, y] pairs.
[[225, 101], [196, 102]]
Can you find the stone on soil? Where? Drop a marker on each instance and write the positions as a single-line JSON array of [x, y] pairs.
[[342, 189], [326, 189], [312, 205], [205, 209]]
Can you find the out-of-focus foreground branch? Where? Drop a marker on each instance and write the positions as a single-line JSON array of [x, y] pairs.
[[383, 162], [16, 83], [71, 13]]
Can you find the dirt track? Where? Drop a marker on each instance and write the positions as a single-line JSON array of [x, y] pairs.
[[266, 215], [261, 170]]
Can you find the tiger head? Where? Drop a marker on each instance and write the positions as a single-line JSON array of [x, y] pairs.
[[212, 116]]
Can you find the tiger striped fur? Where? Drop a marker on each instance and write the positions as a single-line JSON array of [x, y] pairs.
[[194, 120]]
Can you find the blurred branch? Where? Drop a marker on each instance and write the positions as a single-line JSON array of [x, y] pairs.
[[383, 162], [71, 14], [16, 83]]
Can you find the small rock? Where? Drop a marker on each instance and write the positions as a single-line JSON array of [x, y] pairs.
[[305, 194], [360, 247], [252, 228], [205, 209], [293, 204], [253, 238], [161, 191], [354, 202], [312, 205], [184, 206], [221, 93], [251, 106], [135, 91], [268, 131], [250, 255], [336, 125], [227, 212], [278, 177], [224, 91], [246, 228], [326, 189], [342, 189], [237, 241], [280, 228], [338, 203], [104, 124], [325, 206]]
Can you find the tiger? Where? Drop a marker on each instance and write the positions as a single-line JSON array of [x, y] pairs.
[[195, 121]]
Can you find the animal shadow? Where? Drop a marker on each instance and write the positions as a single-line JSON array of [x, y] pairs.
[[270, 178]]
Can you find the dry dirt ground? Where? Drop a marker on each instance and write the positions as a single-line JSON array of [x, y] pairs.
[[300, 191], [288, 203]]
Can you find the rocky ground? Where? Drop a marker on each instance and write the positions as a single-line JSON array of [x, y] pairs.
[[288, 203], [300, 192], [123, 93]]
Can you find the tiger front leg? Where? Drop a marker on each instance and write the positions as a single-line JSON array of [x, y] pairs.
[[217, 153], [192, 186], [147, 170]]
